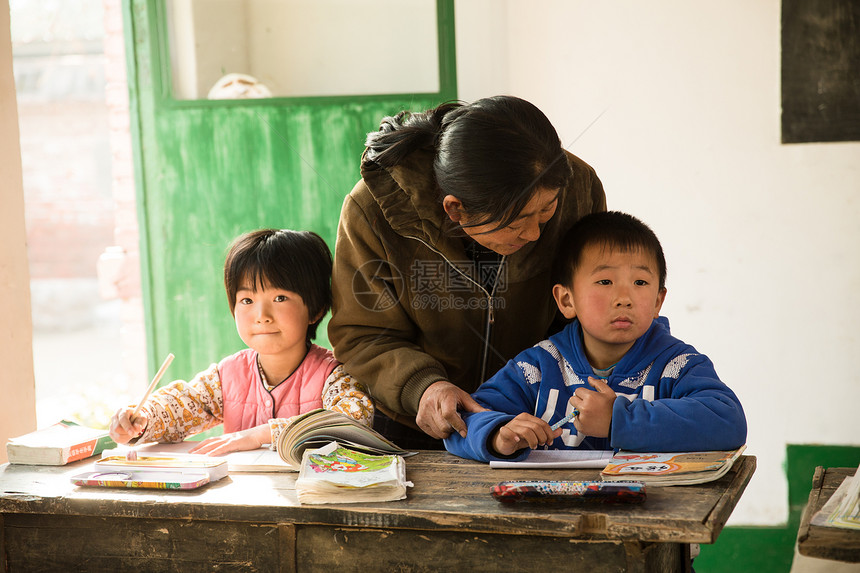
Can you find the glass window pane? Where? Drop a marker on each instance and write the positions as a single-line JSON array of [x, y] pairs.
[[228, 49]]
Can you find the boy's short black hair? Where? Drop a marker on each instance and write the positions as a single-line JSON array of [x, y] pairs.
[[297, 261], [612, 229]]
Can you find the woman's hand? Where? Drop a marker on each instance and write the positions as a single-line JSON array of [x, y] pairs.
[[249, 439], [123, 429], [437, 411], [524, 431]]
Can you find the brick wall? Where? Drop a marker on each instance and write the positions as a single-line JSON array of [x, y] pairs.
[[125, 230]]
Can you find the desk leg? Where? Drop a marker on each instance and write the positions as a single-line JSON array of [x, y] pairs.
[[646, 557], [4, 566], [287, 548]]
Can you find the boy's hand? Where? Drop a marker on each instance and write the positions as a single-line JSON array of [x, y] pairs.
[[123, 429], [595, 408], [524, 431], [249, 439]]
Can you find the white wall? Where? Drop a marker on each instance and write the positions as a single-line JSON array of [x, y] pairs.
[[762, 239]]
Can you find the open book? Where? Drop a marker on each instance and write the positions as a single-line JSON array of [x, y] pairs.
[[545, 459], [261, 460], [336, 474], [317, 428], [679, 468]]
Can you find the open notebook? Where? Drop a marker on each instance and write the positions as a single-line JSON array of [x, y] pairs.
[[262, 460], [545, 459]]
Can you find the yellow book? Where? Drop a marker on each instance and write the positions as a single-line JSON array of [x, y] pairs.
[[672, 468]]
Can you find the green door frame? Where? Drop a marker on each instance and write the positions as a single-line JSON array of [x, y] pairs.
[[259, 162]]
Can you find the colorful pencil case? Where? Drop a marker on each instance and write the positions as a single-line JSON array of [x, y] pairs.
[[569, 491], [143, 479]]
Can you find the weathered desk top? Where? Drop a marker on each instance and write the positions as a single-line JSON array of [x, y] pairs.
[[824, 542], [450, 494]]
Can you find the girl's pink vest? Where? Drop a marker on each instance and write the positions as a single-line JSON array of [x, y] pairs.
[[247, 403]]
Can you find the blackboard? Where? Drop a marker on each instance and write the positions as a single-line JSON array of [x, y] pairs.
[[820, 70]]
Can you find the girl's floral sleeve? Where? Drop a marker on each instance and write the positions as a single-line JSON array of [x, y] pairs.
[[276, 426], [182, 409], [343, 393]]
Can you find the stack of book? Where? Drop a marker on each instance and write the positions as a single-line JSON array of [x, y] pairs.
[[336, 474]]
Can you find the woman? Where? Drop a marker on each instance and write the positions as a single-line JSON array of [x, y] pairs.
[[443, 256]]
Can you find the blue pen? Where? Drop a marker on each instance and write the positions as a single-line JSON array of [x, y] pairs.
[[564, 420]]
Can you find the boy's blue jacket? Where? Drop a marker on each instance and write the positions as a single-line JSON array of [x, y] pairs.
[[671, 399]]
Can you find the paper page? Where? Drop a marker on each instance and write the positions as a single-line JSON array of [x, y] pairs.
[[828, 515], [263, 460], [587, 459]]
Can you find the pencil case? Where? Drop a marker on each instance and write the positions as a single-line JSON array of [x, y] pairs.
[[569, 491], [154, 479]]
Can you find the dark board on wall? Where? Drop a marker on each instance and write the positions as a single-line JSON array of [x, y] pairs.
[[820, 70]]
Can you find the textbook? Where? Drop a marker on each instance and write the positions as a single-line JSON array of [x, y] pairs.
[[673, 468], [57, 445], [318, 428], [336, 474]]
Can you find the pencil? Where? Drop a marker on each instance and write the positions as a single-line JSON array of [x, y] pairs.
[[152, 385], [564, 420]]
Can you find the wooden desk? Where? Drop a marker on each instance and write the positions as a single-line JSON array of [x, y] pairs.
[[835, 543], [252, 522]]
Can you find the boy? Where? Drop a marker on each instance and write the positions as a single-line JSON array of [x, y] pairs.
[[635, 386]]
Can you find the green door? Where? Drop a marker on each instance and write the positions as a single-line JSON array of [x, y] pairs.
[[208, 170]]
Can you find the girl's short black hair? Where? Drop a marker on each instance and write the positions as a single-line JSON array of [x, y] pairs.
[[297, 261], [491, 154], [612, 229]]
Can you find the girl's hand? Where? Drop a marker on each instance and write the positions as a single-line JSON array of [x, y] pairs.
[[249, 439], [524, 431], [123, 429], [595, 408]]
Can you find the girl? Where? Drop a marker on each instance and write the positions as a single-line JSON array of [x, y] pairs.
[[278, 288]]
